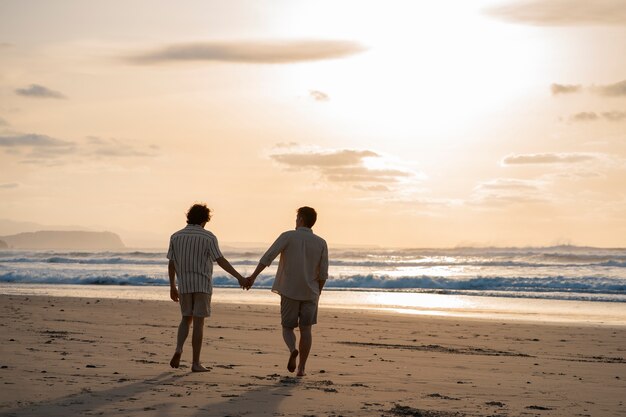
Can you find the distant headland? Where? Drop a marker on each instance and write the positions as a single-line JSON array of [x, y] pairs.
[[63, 240]]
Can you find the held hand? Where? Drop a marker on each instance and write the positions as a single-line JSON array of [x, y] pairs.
[[174, 294], [250, 282], [243, 283]]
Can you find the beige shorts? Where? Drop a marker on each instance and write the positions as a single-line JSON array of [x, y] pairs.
[[197, 304], [294, 313]]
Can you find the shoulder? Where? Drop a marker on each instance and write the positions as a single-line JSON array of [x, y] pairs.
[[177, 233], [320, 240], [285, 235], [207, 235], [210, 236], [198, 232]]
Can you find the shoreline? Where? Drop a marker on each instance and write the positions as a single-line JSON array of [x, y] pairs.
[[86, 356], [529, 310]]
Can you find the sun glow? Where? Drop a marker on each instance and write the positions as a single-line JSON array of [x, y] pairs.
[[466, 66]]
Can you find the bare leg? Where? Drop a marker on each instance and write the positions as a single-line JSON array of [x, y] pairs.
[[183, 332], [290, 340], [306, 341], [196, 344]]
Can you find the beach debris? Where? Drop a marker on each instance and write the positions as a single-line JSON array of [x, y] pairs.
[[440, 349], [443, 397], [145, 361], [538, 407], [289, 380], [229, 366], [403, 410]]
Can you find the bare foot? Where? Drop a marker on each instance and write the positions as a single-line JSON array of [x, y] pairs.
[[196, 367], [301, 372], [175, 362], [291, 365]]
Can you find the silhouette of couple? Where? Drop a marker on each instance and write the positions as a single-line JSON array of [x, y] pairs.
[[301, 275]]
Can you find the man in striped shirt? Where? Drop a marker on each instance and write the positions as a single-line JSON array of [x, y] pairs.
[[191, 255]]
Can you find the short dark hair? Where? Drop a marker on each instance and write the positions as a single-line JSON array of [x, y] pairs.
[[308, 215], [198, 214]]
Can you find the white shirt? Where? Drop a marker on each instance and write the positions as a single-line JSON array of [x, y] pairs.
[[302, 266]]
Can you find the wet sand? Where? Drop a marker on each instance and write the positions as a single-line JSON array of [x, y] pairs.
[[77, 356]]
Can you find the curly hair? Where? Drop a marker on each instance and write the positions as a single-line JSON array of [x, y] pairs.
[[198, 214]]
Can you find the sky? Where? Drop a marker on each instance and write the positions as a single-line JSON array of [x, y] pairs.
[[404, 123]]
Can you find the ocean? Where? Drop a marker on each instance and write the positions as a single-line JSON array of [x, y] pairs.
[[590, 277]]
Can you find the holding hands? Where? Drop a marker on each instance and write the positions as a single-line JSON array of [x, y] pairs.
[[245, 283]]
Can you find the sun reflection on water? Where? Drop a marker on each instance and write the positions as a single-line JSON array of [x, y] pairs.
[[405, 300]]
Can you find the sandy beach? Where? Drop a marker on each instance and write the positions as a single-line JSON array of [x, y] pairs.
[[76, 356]]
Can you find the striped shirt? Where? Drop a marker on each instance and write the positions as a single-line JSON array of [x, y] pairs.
[[193, 250]]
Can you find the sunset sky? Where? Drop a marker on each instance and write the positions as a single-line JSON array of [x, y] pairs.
[[404, 123]]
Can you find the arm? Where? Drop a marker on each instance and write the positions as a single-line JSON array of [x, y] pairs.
[[266, 260], [226, 266], [259, 268], [323, 271], [171, 270]]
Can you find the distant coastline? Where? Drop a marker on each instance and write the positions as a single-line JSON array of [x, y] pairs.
[[63, 240]]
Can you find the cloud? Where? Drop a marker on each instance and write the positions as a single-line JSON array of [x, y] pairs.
[[611, 116], [360, 174], [562, 12], [3, 122], [323, 159], [614, 116], [576, 175], [5, 45], [286, 145], [617, 89], [10, 185], [547, 158], [510, 184], [38, 91], [347, 166], [115, 148], [35, 148], [255, 52], [32, 140], [612, 90], [318, 95], [508, 191], [565, 89], [584, 117], [375, 188]]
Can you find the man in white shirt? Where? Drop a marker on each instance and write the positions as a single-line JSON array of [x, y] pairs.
[[302, 273], [191, 255]]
